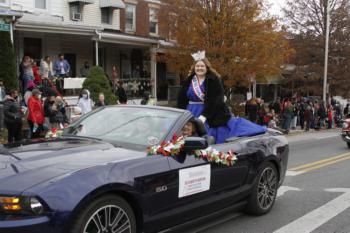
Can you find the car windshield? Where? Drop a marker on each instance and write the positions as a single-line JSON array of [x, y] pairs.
[[140, 126]]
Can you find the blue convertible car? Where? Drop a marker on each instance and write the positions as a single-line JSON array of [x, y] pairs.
[[97, 177]]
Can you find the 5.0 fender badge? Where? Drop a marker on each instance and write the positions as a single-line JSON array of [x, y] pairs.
[[161, 189]]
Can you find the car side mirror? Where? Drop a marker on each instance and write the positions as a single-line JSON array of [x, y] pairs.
[[195, 143]]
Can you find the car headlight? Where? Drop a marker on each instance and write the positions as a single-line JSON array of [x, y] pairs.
[[345, 125], [21, 205]]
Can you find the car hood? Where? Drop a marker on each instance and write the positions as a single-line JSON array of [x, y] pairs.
[[24, 166]]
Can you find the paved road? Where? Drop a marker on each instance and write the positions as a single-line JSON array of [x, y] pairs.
[[315, 196]]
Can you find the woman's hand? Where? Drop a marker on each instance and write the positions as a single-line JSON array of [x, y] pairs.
[[202, 118]]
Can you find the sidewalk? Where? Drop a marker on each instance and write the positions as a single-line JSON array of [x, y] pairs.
[[300, 131]]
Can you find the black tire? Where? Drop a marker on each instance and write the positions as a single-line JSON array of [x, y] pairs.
[[264, 191], [348, 143], [113, 206]]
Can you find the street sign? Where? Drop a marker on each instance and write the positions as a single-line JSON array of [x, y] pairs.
[[4, 27]]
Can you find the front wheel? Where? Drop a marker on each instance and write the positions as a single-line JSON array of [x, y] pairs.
[[264, 191], [108, 214]]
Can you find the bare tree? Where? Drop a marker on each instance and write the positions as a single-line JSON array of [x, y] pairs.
[[310, 17], [306, 22]]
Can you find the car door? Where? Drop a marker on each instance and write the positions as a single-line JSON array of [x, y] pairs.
[[224, 189], [229, 178]]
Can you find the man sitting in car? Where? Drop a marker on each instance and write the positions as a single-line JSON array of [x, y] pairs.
[[195, 128], [189, 129]]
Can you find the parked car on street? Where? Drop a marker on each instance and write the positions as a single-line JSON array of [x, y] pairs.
[[345, 132], [98, 177]]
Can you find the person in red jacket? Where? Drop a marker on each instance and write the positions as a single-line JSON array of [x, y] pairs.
[[330, 116], [35, 113], [37, 78]]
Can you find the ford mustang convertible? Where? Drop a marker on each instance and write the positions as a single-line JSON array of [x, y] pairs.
[[99, 176]]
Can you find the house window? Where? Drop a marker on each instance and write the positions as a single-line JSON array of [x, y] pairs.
[[76, 11], [130, 17], [40, 4], [106, 15], [153, 21]]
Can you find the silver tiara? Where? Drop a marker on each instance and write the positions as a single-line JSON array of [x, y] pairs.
[[200, 55]]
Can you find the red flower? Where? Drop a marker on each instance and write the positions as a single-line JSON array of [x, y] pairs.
[[182, 147], [229, 159], [162, 151], [174, 139]]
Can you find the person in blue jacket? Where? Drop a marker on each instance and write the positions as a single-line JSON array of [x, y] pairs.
[[203, 95], [61, 69]]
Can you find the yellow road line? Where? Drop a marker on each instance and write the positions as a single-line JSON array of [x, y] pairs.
[[320, 162], [325, 164]]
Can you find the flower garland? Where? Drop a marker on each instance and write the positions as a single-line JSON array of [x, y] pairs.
[[176, 145], [54, 133]]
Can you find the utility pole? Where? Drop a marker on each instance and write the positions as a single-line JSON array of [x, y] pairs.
[[326, 52]]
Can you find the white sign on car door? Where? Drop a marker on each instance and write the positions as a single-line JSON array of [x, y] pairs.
[[194, 180]]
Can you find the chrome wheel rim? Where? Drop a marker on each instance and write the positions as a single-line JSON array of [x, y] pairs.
[[108, 219], [267, 188]]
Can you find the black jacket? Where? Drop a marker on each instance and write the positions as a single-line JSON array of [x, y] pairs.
[[252, 111], [122, 95], [100, 104], [55, 116], [215, 109], [12, 111]]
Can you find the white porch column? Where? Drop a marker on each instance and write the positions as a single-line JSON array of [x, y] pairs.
[[254, 89], [11, 29], [96, 52], [153, 52]]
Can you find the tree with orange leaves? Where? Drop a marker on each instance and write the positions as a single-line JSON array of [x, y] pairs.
[[238, 40]]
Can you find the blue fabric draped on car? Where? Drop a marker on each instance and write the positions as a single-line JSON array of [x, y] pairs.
[[235, 127]]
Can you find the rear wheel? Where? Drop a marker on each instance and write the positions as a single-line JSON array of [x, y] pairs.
[[264, 191], [108, 214], [348, 143]]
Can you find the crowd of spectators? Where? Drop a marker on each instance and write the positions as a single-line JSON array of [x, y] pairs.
[[288, 114], [38, 106], [39, 103]]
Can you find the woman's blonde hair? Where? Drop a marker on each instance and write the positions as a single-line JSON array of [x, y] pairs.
[[207, 64]]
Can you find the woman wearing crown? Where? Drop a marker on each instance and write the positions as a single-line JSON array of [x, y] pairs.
[[203, 95]]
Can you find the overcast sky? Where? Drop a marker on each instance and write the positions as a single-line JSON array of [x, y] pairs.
[[276, 6]]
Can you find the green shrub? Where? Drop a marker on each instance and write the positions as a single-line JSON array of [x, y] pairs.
[[97, 82], [7, 62]]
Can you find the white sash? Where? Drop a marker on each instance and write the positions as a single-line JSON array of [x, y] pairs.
[[197, 88]]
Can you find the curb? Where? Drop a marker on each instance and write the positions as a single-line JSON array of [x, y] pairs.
[[299, 131]]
